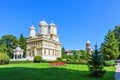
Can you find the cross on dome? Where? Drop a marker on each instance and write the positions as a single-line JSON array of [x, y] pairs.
[[32, 27], [52, 23], [43, 22]]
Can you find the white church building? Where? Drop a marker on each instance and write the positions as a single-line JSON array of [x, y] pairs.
[[44, 43]]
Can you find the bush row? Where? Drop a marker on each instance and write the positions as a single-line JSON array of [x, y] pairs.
[[38, 59], [110, 63], [15, 62]]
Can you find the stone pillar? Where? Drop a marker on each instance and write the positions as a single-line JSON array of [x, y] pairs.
[[42, 52], [35, 53], [14, 56]]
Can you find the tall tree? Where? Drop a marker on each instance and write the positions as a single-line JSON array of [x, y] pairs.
[[11, 43], [110, 46], [63, 50], [22, 43], [117, 33]]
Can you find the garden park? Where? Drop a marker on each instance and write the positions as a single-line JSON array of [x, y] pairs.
[[79, 66]]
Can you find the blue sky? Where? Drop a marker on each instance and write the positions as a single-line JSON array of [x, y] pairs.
[[76, 20]]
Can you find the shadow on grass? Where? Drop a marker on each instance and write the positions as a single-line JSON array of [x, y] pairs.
[[53, 73]]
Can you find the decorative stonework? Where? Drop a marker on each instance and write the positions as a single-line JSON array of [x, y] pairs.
[[45, 43]]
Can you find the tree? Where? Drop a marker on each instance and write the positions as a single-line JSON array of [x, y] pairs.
[[63, 50], [22, 43], [3, 48], [77, 57], [96, 63], [117, 33], [110, 46], [11, 43], [83, 54]]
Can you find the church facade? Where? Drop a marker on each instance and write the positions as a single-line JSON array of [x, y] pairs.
[[45, 43]]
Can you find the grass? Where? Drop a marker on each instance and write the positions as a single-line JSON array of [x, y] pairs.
[[42, 71]]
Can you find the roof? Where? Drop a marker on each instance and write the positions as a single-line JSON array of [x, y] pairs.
[[88, 41], [18, 49], [43, 22]]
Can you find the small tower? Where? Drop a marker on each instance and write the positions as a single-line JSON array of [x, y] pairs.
[[43, 27], [88, 47], [53, 31], [32, 31], [53, 28]]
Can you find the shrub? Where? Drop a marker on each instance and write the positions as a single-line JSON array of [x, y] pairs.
[[71, 57], [59, 59], [37, 59], [83, 61], [110, 63], [64, 56], [77, 57], [69, 60], [4, 58]]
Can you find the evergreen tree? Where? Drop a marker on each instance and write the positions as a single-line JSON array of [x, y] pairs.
[[110, 46], [96, 64], [63, 50], [22, 44], [117, 33], [64, 56], [117, 36]]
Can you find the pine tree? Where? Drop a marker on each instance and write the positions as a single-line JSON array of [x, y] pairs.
[[96, 63], [117, 33], [110, 46], [22, 44]]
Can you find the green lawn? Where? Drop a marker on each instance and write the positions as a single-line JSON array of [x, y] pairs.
[[42, 71]]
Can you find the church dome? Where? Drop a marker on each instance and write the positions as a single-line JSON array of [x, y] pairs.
[[32, 27], [43, 22], [52, 24], [88, 42]]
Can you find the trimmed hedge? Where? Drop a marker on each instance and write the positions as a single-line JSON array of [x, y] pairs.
[[59, 59], [37, 59], [110, 63], [16, 62], [4, 58]]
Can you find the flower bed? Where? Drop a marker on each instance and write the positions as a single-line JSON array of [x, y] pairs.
[[57, 63]]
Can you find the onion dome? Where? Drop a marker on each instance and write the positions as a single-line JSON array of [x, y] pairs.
[[88, 42], [43, 22], [32, 27], [52, 24]]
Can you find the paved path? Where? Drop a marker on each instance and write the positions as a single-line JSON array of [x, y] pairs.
[[117, 74]]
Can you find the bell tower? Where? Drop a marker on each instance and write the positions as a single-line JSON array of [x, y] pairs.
[[32, 31], [53, 31], [43, 27], [88, 47]]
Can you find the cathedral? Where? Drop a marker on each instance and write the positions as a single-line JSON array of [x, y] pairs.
[[45, 43]]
